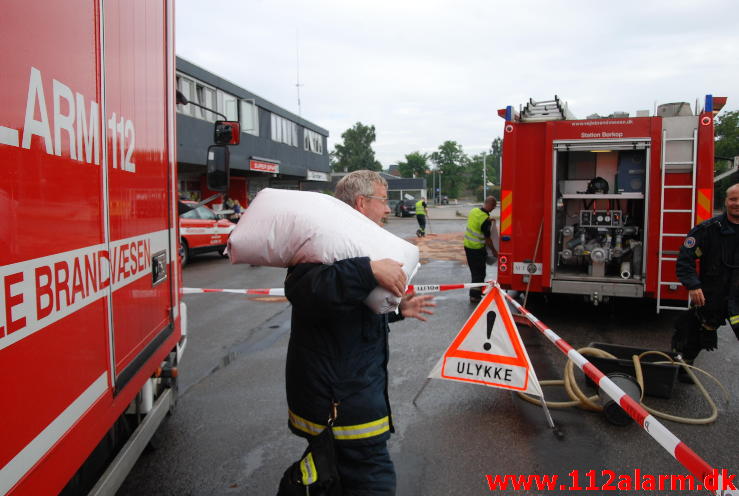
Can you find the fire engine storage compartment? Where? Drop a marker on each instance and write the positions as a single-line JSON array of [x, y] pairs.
[[599, 220]]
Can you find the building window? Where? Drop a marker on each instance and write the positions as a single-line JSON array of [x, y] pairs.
[[228, 106], [207, 98], [312, 141], [196, 92], [185, 85], [284, 130], [249, 117], [276, 129]]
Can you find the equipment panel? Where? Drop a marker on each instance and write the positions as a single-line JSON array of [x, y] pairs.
[[600, 218]]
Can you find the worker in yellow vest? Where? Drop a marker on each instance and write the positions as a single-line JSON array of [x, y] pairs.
[[421, 212], [476, 238]]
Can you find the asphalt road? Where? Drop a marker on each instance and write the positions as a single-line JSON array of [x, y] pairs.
[[229, 433]]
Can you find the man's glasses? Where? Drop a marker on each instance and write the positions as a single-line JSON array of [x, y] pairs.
[[381, 198]]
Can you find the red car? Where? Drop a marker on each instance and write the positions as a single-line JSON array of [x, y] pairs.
[[201, 231]]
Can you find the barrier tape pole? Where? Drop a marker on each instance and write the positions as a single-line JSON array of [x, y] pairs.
[[418, 288], [679, 450]]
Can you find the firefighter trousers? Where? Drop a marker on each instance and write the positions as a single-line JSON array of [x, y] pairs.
[[691, 324], [365, 470], [476, 260], [421, 222]]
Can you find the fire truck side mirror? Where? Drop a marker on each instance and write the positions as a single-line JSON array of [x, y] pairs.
[[227, 133], [217, 176], [181, 99]]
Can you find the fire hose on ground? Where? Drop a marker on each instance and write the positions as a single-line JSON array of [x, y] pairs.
[[581, 400]]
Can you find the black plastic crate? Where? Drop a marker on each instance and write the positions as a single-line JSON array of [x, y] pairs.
[[659, 379]]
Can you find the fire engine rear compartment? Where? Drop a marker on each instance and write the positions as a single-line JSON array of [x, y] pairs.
[[599, 218]]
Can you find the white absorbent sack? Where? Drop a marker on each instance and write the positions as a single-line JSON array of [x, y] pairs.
[[283, 228]]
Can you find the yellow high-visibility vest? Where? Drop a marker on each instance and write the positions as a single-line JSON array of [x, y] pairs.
[[473, 236], [419, 208]]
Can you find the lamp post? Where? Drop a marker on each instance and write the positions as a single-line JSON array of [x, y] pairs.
[[433, 186], [484, 177], [440, 173]]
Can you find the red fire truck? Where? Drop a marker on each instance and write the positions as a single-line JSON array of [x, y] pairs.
[[92, 325], [600, 206]]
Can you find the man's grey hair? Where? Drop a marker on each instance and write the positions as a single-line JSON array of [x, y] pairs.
[[358, 183]]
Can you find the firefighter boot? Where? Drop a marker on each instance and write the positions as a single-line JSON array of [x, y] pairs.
[[686, 341], [685, 338], [682, 374]]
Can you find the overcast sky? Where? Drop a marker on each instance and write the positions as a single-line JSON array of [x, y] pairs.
[[423, 72]]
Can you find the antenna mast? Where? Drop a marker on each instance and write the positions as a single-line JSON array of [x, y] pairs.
[[297, 83]]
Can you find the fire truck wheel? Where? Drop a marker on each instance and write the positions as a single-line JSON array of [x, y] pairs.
[[185, 253]]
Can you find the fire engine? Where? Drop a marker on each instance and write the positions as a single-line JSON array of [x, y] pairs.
[[600, 206], [92, 323]]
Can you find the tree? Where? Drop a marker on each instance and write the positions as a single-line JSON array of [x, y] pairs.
[[415, 165], [494, 160], [473, 176], [356, 151], [451, 161], [726, 130], [727, 134]]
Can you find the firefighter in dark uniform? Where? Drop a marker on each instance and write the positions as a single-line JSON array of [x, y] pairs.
[[338, 350], [714, 292]]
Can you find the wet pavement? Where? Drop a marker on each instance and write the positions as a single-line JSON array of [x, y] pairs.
[[228, 434]]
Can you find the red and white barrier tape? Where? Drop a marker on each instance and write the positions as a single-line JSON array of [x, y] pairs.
[[435, 288], [253, 292], [418, 288], [679, 450]]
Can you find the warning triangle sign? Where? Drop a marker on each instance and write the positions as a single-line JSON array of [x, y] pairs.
[[488, 350]]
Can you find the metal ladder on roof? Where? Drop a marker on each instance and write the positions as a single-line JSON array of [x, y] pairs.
[[669, 167], [545, 110]]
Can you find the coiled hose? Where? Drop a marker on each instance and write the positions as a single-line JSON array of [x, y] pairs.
[[579, 399]]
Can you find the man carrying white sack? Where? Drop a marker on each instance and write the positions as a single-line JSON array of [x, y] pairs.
[[338, 350]]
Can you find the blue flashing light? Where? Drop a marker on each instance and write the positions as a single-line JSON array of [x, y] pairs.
[[709, 103], [509, 113]]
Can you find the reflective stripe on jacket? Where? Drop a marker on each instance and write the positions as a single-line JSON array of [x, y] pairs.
[[420, 209], [473, 236]]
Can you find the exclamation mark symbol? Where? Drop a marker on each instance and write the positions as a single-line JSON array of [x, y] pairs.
[[491, 322]]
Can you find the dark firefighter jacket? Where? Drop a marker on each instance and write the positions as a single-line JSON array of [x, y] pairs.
[[716, 243], [338, 351]]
